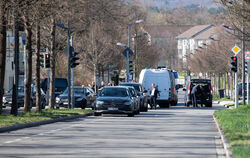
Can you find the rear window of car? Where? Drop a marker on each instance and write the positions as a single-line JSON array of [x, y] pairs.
[[114, 92]]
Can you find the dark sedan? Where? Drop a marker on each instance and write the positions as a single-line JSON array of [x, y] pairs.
[[115, 100], [142, 96], [83, 97], [7, 98]]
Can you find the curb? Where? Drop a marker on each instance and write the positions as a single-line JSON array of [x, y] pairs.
[[42, 122], [223, 139]]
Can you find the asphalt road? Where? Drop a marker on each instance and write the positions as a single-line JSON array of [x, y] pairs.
[[175, 132]]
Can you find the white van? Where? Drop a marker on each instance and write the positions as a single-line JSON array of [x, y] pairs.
[[161, 78]]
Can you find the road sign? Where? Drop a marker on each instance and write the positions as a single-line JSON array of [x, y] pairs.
[[130, 52], [247, 55], [236, 49]]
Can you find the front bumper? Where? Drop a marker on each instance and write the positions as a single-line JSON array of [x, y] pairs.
[[113, 112]]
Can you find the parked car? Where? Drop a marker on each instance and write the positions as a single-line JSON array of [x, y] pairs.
[[240, 89], [7, 98], [83, 97], [135, 99], [173, 93], [207, 93], [115, 100], [60, 85], [141, 93], [161, 78]]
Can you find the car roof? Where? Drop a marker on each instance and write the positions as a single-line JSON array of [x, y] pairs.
[[129, 83], [115, 87]]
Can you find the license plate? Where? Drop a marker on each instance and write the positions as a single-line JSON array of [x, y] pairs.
[[112, 108], [65, 103]]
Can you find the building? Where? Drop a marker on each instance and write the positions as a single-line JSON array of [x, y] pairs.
[[194, 38], [163, 37], [9, 66]]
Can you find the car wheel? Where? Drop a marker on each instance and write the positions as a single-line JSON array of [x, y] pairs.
[[97, 114], [209, 105], [188, 104], [131, 115], [84, 104]]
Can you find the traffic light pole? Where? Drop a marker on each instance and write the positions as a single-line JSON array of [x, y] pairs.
[[127, 66], [69, 68], [72, 80], [236, 86]]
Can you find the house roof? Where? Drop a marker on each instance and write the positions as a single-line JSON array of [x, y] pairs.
[[163, 31], [209, 33], [195, 31]]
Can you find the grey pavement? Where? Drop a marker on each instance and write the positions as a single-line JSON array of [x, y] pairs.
[[176, 132]]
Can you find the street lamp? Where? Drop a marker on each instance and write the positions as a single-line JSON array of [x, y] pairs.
[[135, 52], [69, 56], [127, 56]]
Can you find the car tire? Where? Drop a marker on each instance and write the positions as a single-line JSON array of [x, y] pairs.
[[131, 115], [209, 105], [84, 104], [97, 114]]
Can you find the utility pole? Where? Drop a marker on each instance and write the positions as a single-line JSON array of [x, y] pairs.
[[243, 59], [69, 68], [72, 79]]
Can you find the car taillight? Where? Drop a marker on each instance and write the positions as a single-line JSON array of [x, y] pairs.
[[189, 87], [173, 90], [211, 89]]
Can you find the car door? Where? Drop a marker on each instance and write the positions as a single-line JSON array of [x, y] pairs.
[[90, 95]]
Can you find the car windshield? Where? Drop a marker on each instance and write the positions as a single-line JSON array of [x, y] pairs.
[[114, 92], [132, 92], [137, 87], [20, 90], [76, 91]]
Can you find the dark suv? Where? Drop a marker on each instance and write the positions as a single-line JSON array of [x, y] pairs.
[[206, 94]]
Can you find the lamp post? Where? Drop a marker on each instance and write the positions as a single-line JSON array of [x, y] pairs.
[[69, 57], [127, 57], [136, 54]]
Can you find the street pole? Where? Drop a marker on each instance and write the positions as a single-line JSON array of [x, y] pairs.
[[247, 87], [243, 61], [69, 70], [135, 58], [127, 66], [72, 81], [236, 86], [127, 55]]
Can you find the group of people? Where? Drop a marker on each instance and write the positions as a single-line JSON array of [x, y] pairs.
[[96, 88]]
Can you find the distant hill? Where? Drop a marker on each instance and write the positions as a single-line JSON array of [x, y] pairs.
[[178, 3]]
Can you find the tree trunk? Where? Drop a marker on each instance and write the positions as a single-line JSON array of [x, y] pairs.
[[2, 49], [14, 105], [52, 65], [38, 90], [28, 77]]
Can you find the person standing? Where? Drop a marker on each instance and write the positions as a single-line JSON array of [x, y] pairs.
[[101, 86], [194, 94], [154, 93], [94, 87]]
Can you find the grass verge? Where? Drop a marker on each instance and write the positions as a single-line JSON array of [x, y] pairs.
[[235, 124], [8, 120]]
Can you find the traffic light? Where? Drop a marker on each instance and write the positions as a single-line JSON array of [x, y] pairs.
[[73, 60], [234, 64], [47, 60], [42, 60], [130, 66]]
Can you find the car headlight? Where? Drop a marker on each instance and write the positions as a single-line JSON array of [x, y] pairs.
[[99, 102], [127, 103], [58, 99]]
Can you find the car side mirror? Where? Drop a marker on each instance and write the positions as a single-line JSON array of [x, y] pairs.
[[184, 89], [87, 93], [145, 91]]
